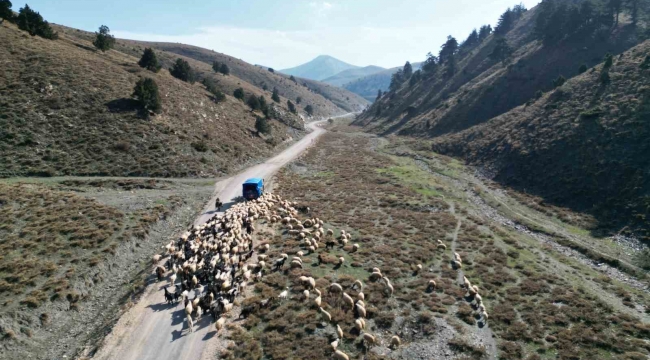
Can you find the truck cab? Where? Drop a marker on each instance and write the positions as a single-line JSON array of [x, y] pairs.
[[253, 188]]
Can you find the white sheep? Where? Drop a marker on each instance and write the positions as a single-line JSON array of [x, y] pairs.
[[361, 296], [361, 311], [339, 332], [305, 294], [156, 259], [340, 355], [325, 314], [220, 323], [341, 261], [190, 323], [357, 284], [335, 288], [368, 340], [395, 342], [355, 248], [284, 294], [347, 299]]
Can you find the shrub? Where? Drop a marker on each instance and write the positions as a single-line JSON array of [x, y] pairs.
[[183, 71], [32, 22], [298, 100], [239, 94], [211, 86], [5, 10], [604, 77], [149, 60], [224, 69], [262, 125], [646, 63], [216, 66], [276, 96], [253, 102], [539, 94], [309, 109], [292, 78], [271, 70], [609, 61], [200, 146], [330, 120], [103, 39], [582, 69], [559, 81], [146, 91], [291, 106]]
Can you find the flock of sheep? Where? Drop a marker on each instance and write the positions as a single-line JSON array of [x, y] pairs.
[[210, 261]]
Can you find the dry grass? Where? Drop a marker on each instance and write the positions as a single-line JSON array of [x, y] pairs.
[[535, 312], [67, 110]]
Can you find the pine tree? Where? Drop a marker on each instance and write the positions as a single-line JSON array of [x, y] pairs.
[[292, 78], [103, 39], [146, 91], [149, 60], [276, 95], [408, 70], [253, 102], [484, 32], [5, 10], [239, 93], [502, 51], [633, 8], [417, 75], [472, 40], [216, 66], [615, 7], [291, 106], [183, 71], [262, 125], [309, 110], [430, 64], [609, 61], [506, 22], [224, 69], [582, 69], [448, 49], [379, 94], [559, 81], [298, 100], [211, 86], [396, 80], [32, 22]]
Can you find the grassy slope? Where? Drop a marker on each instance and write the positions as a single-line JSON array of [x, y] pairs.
[[350, 75], [582, 146], [542, 304], [333, 102], [482, 89]]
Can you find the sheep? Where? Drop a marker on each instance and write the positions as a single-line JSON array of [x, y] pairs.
[[478, 299], [456, 265], [395, 342], [355, 248], [358, 324], [339, 332], [418, 268], [347, 299], [220, 323], [325, 314], [199, 312], [295, 264], [160, 272], [195, 302], [340, 355], [361, 296], [172, 280], [266, 247], [284, 294], [190, 323], [375, 276], [441, 247], [335, 288], [156, 259], [330, 232], [431, 285], [356, 284], [189, 309], [305, 294], [361, 311], [368, 340], [390, 289], [334, 344], [312, 283], [341, 261], [300, 253], [318, 300]]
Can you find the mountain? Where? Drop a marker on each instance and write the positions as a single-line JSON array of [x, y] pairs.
[[583, 145], [255, 75], [564, 146], [350, 75], [320, 68], [368, 85]]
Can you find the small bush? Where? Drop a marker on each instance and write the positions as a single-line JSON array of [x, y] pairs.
[[276, 95], [103, 39], [149, 61], [211, 86], [271, 70], [309, 110], [539, 94], [646, 63], [224, 69], [604, 78], [216, 66], [146, 91], [32, 22], [122, 146], [262, 125], [200, 146], [582, 69], [609, 61], [298, 100], [183, 71], [239, 94], [559, 81], [291, 106], [253, 102]]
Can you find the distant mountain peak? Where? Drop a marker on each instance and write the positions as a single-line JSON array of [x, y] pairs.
[[321, 67]]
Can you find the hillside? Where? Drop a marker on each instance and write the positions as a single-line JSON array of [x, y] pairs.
[[368, 85], [583, 146], [68, 111], [350, 75], [482, 87], [202, 59], [320, 68]]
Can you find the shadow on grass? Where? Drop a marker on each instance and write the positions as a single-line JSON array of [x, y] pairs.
[[123, 105]]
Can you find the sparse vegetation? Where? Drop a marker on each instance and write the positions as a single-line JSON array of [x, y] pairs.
[[183, 71], [104, 41]]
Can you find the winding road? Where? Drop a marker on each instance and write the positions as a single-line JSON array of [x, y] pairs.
[[153, 330]]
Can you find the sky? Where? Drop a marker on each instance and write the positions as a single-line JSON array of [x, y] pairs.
[[287, 33]]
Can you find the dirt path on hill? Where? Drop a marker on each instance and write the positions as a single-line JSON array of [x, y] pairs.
[[153, 330]]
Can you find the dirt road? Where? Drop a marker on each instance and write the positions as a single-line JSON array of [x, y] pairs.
[[157, 331]]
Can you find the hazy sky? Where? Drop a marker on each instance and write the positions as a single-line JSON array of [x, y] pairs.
[[285, 33]]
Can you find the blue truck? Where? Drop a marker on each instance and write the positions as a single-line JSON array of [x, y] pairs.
[[253, 188]]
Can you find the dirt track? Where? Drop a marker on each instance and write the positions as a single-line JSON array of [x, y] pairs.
[[155, 330]]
